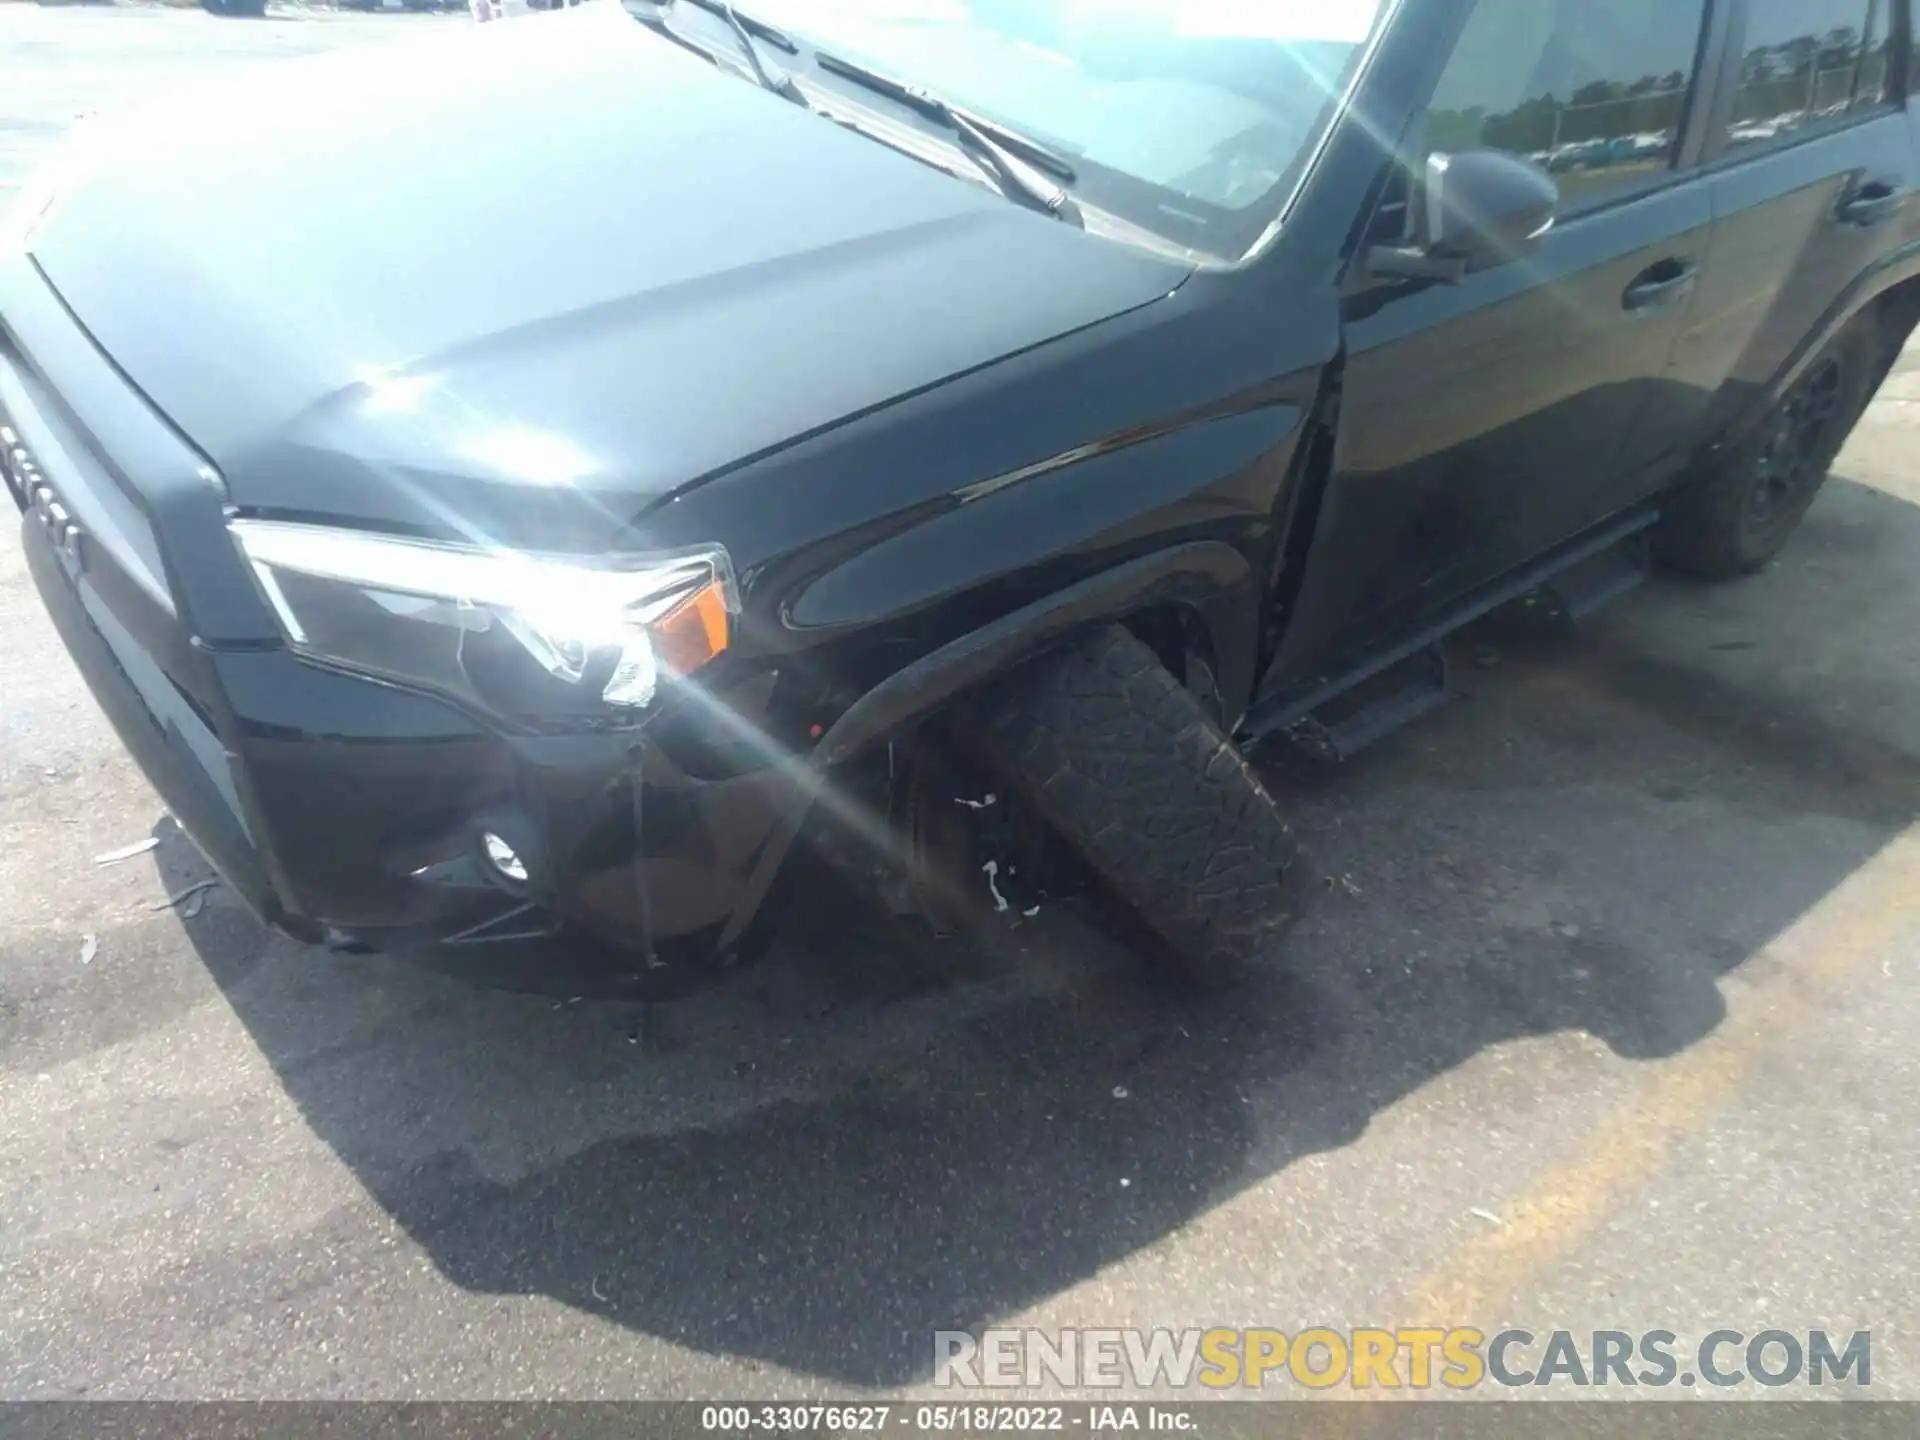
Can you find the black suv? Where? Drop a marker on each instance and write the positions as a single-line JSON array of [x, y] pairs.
[[528, 473]]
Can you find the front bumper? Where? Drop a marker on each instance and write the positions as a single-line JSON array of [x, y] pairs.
[[342, 809]]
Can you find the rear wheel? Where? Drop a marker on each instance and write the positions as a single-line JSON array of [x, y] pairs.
[[1128, 766], [1744, 504]]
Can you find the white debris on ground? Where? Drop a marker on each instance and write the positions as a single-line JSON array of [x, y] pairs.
[[127, 852], [992, 871]]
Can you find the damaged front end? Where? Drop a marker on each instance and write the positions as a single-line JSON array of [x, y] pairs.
[[922, 825]]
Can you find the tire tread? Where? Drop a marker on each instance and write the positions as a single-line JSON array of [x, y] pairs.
[[1127, 765]]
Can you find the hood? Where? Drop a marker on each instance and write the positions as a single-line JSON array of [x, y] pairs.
[[521, 280]]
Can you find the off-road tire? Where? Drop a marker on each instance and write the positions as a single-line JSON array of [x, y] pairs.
[[1114, 752], [1713, 526]]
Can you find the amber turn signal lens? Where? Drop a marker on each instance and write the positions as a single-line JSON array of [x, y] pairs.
[[693, 633]]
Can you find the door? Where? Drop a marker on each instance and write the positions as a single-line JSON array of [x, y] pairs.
[[1479, 420], [1812, 182]]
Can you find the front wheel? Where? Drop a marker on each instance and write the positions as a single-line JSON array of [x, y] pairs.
[[1130, 768], [1736, 512]]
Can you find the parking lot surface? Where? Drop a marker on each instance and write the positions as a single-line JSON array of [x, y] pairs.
[[1605, 1015]]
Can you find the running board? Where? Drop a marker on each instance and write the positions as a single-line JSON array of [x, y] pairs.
[[1373, 710], [1587, 586], [1336, 718]]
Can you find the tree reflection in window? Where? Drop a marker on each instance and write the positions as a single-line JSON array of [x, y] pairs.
[[1810, 64], [1596, 94], [1598, 137]]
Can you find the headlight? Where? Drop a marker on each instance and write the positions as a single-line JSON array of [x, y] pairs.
[[530, 636]]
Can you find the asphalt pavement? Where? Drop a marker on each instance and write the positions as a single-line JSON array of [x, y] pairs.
[[1605, 1015]]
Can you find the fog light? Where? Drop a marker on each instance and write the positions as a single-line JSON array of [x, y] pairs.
[[503, 857]]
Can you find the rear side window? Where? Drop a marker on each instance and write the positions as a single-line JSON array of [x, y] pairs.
[[1810, 65], [1876, 69], [1594, 90]]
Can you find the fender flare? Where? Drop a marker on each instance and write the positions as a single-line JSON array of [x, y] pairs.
[[1209, 575], [1867, 288]]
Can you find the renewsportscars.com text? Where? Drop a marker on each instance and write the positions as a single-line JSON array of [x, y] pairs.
[[1422, 1358]]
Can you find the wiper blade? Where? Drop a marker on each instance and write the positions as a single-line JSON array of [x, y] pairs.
[[752, 24], [1021, 165], [652, 14], [771, 77], [1025, 146]]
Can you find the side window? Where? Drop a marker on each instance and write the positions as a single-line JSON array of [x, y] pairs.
[[1809, 65], [1594, 90], [1906, 22], [1876, 69]]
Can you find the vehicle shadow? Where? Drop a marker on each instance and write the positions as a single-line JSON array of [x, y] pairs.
[[868, 1136]]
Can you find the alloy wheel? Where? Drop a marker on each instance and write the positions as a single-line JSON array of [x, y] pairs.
[[1790, 460]]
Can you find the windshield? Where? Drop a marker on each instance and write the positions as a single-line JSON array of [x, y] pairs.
[[1191, 118]]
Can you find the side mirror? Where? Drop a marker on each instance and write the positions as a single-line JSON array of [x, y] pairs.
[[1472, 212]]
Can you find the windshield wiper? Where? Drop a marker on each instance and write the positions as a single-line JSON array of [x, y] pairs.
[[1021, 165], [770, 77], [753, 24]]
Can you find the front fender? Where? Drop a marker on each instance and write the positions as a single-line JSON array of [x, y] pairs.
[[1212, 577], [1205, 488]]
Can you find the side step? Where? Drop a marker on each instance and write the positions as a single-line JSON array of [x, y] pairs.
[[1601, 579], [1335, 718], [1374, 709]]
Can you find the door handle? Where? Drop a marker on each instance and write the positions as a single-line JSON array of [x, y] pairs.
[[1870, 203], [1662, 286]]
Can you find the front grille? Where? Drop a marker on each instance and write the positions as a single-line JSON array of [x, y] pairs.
[[50, 468], [16, 464]]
